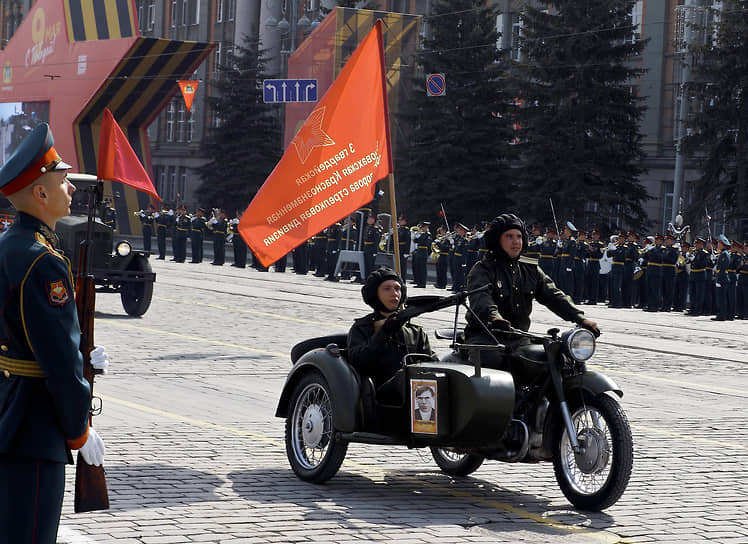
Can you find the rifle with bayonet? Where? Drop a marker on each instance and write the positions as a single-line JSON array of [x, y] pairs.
[[90, 481]]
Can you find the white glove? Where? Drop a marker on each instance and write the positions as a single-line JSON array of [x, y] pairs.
[[100, 359], [568, 269], [213, 221], [93, 450], [156, 214], [171, 212], [560, 243], [718, 285], [539, 241]]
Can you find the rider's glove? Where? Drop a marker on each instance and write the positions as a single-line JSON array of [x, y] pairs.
[[392, 324], [100, 359], [500, 324], [593, 330], [93, 450]]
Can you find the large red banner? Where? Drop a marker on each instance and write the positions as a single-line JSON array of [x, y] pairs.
[[331, 167]]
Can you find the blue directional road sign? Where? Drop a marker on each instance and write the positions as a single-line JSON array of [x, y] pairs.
[[289, 90]]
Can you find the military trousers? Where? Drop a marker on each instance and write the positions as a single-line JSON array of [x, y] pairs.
[[442, 264], [654, 288], [592, 281], [180, 253], [668, 287], [147, 233], [579, 284], [31, 492], [197, 247], [240, 251], [616, 282], [219, 248], [161, 241], [697, 294], [627, 285]]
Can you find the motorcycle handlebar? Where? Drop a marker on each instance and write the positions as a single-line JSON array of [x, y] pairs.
[[445, 302]]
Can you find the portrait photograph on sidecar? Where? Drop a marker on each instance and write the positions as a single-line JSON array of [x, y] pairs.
[[503, 393]]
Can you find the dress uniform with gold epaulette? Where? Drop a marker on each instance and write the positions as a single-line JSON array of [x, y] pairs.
[[197, 235], [44, 399]]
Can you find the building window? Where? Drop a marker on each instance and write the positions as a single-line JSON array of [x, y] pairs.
[[172, 192], [170, 113], [151, 14], [173, 21], [232, 9], [182, 183], [196, 12], [218, 59], [191, 124], [141, 20], [636, 22], [181, 114], [185, 12], [219, 11], [161, 177], [667, 202]]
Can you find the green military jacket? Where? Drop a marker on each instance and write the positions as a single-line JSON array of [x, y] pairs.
[[515, 283]]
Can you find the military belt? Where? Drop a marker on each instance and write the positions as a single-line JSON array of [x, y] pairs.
[[423, 247], [733, 270], [578, 259], [655, 264], [744, 271], [182, 230], [18, 367], [593, 259], [458, 254], [618, 262], [564, 255], [698, 269], [368, 243], [483, 250], [668, 264]]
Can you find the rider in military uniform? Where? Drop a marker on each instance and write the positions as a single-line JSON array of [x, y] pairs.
[[44, 398], [163, 221], [198, 228], [147, 221]]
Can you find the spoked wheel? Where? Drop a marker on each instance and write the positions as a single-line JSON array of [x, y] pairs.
[[314, 453], [595, 477], [456, 463]]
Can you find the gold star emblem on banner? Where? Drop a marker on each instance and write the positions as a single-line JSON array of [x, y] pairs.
[[311, 135]]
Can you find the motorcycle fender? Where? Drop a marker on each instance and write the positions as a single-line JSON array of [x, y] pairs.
[[592, 382], [340, 377]]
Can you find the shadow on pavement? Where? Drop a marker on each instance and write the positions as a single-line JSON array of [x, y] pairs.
[[413, 499]]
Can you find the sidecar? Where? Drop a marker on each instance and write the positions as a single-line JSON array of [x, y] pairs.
[[327, 405]]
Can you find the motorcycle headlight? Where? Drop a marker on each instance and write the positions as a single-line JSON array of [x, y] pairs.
[[581, 344], [123, 248]]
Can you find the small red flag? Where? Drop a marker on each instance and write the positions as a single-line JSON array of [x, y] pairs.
[[189, 88], [118, 161]]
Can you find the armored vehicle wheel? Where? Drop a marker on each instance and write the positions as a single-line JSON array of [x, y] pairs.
[[455, 463], [596, 477], [136, 295], [312, 449]]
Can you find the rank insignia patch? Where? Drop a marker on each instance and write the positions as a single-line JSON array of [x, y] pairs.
[[57, 292]]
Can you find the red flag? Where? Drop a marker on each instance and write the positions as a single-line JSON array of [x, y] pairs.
[[189, 88], [117, 159], [331, 167]]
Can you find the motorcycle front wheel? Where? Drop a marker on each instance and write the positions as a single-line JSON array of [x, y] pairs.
[[596, 477], [455, 463], [312, 449]]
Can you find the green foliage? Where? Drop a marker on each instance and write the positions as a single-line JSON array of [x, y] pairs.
[[452, 148], [246, 145], [580, 138], [719, 120]]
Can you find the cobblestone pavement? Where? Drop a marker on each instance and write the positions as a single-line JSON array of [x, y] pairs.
[[195, 454]]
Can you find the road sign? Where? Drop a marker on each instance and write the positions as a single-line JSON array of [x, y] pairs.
[[435, 85], [289, 90]]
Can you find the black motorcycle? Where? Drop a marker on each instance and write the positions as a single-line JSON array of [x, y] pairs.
[[546, 405]]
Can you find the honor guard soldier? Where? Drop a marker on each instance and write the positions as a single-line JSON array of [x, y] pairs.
[[630, 259], [566, 262], [442, 246], [580, 267], [592, 278], [700, 260], [403, 235], [219, 227], [732, 278], [147, 221], [720, 279], [616, 250], [536, 240], [45, 401], [109, 214], [163, 221], [237, 242], [548, 252], [420, 258], [680, 294], [742, 291], [182, 224], [656, 257], [198, 228], [372, 237], [319, 251], [333, 250], [670, 255], [460, 266]]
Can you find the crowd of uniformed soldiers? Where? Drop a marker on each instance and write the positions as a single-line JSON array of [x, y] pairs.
[[657, 274]]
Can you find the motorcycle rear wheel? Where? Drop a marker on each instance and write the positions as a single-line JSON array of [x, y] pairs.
[[596, 478], [313, 451], [455, 463]]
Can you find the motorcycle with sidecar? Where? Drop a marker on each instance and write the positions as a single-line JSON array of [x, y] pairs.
[[544, 406]]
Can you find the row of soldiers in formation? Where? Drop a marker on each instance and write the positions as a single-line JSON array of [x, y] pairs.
[[660, 274]]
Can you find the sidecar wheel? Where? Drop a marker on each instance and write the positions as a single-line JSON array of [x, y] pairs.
[[455, 463], [597, 477], [312, 449]]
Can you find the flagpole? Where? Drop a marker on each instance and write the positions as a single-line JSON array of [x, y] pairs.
[[395, 234]]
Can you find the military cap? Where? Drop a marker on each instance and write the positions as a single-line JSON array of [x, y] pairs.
[[549, 230], [33, 158], [685, 244], [463, 227], [594, 231], [582, 232], [571, 226], [201, 210], [658, 235], [724, 239], [426, 223], [668, 235], [700, 239]]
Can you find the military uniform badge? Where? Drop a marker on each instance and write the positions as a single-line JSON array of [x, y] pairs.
[[57, 293]]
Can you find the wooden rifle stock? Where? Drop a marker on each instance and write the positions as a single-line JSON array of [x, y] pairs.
[[90, 483]]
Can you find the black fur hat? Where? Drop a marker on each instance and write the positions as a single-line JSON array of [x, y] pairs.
[[374, 280], [500, 225]]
